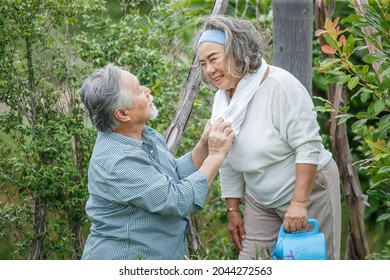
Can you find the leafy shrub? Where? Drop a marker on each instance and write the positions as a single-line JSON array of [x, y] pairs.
[[368, 81]]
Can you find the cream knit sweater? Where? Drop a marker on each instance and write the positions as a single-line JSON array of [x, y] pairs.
[[280, 129]]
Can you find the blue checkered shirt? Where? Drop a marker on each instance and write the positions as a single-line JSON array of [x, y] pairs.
[[140, 196]]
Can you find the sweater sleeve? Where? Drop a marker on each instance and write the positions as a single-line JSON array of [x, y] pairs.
[[232, 181], [297, 121]]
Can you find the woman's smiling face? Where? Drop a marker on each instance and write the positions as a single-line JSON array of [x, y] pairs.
[[212, 60]]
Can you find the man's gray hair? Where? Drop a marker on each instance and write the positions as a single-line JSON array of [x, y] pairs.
[[102, 95], [244, 47]]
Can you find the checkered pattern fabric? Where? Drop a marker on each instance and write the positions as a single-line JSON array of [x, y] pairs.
[[140, 196]]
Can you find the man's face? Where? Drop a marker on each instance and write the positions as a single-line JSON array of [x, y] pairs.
[[143, 108]]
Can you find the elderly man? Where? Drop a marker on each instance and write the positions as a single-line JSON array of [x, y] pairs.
[[140, 194]]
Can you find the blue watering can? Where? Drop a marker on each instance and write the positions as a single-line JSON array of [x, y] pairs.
[[307, 245]]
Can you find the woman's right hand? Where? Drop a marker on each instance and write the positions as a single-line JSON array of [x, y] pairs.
[[236, 228], [236, 223]]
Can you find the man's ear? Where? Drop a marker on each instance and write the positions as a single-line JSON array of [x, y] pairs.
[[121, 115]]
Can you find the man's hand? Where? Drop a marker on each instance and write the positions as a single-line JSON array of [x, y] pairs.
[[220, 138]]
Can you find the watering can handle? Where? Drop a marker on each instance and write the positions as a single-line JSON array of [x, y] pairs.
[[315, 223], [309, 221]]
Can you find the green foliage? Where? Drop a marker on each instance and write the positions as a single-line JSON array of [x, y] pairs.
[[43, 166], [368, 81], [46, 51]]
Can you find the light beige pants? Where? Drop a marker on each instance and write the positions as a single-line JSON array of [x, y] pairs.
[[262, 224]]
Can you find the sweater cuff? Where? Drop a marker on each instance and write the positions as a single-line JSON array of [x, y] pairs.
[[308, 153]]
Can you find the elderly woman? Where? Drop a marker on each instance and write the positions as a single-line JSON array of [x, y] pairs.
[[140, 195], [277, 165]]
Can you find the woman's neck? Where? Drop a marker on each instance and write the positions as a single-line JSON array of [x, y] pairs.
[[230, 92]]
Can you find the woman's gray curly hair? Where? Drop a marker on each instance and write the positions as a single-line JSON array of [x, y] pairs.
[[244, 47]]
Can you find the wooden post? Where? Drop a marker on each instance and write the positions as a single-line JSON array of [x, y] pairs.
[[293, 38], [175, 131]]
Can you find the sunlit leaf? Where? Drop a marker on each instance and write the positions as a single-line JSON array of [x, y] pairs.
[[379, 106], [343, 118], [372, 58], [383, 217], [384, 169], [342, 40], [359, 124], [328, 49], [345, 79], [352, 83], [319, 32], [363, 115], [351, 18], [350, 45]]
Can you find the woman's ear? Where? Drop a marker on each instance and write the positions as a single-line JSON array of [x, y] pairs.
[[122, 115]]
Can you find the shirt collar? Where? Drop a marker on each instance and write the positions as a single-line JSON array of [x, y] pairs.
[[148, 135]]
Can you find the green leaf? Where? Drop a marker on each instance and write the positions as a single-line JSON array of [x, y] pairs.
[[380, 183], [359, 124], [352, 18], [329, 62], [361, 48], [344, 108], [343, 118], [348, 49], [372, 58], [384, 169], [331, 41], [323, 109], [385, 119], [352, 83], [382, 131], [333, 79], [386, 72], [345, 79], [365, 94], [364, 115], [378, 194], [383, 217], [379, 106], [365, 69]]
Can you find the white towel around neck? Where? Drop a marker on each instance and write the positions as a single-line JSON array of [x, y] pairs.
[[234, 112]]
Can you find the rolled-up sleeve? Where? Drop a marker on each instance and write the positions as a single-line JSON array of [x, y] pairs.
[[232, 181], [185, 166], [142, 185], [298, 124]]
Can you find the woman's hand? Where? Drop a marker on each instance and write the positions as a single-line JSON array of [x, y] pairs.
[[296, 216], [236, 228], [236, 223]]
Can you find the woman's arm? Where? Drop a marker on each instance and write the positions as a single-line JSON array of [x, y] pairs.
[[296, 215]]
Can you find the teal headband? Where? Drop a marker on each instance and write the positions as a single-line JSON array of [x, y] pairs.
[[213, 36]]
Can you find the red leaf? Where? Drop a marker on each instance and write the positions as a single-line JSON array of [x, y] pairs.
[[328, 49], [336, 21], [342, 40], [319, 32], [328, 25]]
